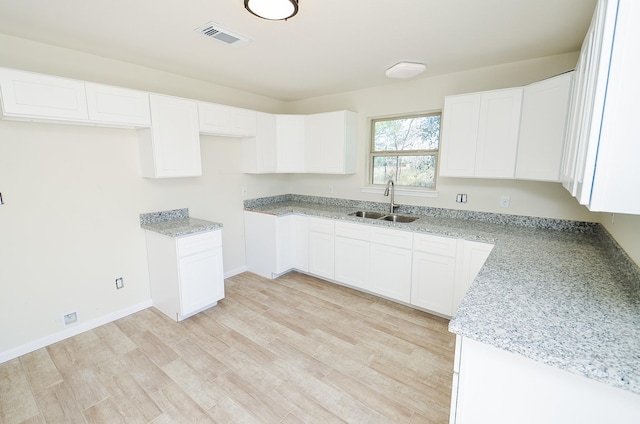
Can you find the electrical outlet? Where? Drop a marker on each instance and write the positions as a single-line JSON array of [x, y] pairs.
[[504, 201], [119, 283], [1, 201], [330, 189], [70, 318], [461, 198]]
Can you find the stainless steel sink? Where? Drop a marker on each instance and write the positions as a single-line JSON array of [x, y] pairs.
[[370, 215], [398, 218]]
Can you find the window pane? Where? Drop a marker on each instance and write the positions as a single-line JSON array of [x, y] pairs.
[[417, 133], [417, 171]]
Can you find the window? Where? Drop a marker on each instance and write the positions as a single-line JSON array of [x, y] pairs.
[[405, 149]]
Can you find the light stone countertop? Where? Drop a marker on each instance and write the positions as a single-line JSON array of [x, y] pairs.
[[559, 292], [176, 223]]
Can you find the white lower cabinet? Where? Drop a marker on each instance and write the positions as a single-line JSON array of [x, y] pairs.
[[430, 272], [493, 386], [321, 248], [186, 273], [433, 280], [352, 255], [474, 255], [391, 263]]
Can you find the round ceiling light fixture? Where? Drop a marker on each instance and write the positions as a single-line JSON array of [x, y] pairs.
[[273, 10], [405, 70]]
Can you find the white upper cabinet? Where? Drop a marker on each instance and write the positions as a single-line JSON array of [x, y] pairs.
[[600, 162], [543, 124], [117, 106], [331, 142], [480, 134], [228, 121], [171, 147], [498, 129], [259, 152], [29, 96], [290, 133], [459, 135]]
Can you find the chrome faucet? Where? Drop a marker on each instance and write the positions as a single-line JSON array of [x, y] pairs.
[[386, 193]]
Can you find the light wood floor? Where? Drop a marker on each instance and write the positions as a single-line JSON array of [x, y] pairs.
[[293, 350]]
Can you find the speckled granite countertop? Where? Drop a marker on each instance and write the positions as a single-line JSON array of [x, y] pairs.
[[559, 292], [176, 223]]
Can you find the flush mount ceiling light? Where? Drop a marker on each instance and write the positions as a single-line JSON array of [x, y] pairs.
[[405, 70], [274, 10]]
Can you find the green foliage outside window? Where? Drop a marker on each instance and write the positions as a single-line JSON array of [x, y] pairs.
[[405, 149]]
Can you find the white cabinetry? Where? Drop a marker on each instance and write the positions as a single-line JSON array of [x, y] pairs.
[[390, 260], [494, 386], [186, 273], [543, 124], [290, 135], [330, 143], [321, 248], [259, 152], [434, 273], [275, 245], [600, 161], [352, 254], [225, 120], [480, 134], [171, 147], [117, 106], [29, 96], [474, 255]]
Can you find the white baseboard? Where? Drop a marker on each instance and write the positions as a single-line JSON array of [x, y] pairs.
[[10, 354], [236, 271]]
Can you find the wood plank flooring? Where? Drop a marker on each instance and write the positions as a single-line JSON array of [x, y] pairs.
[[292, 350]]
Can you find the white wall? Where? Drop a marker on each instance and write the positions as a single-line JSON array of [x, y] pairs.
[[626, 230], [427, 94]]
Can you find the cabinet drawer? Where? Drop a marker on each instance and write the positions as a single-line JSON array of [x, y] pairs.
[[402, 239], [197, 243], [443, 246], [353, 231], [317, 225]]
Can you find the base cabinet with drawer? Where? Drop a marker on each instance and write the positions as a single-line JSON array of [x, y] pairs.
[[186, 273]]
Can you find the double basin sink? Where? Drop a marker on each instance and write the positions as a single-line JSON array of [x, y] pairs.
[[384, 216]]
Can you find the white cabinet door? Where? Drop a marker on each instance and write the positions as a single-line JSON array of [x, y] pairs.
[[186, 274], [321, 248], [352, 255], [474, 255], [433, 282], [331, 142], [222, 120], [391, 272], [259, 152], [200, 277], [617, 172], [290, 133], [117, 106], [171, 147], [260, 234], [434, 273], [460, 121], [543, 124], [29, 96], [285, 244], [301, 246], [498, 128]]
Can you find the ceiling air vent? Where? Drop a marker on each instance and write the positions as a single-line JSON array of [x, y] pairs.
[[220, 33]]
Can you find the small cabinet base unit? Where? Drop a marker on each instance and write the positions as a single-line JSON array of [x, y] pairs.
[[186, 273]]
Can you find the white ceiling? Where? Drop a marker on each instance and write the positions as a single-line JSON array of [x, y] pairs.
[[330, 46]]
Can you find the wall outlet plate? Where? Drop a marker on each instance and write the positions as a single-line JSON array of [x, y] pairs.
[[504, 201], [70, 318], [119, 283]]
